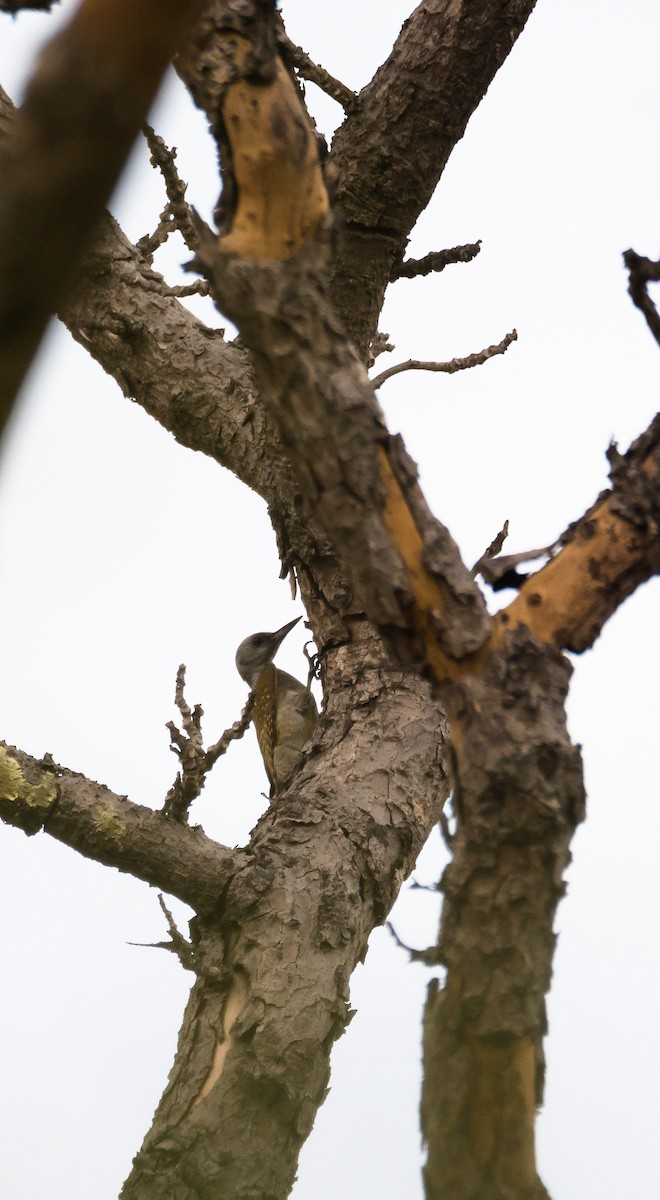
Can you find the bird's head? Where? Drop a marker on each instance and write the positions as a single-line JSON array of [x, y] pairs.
[[256, 651]]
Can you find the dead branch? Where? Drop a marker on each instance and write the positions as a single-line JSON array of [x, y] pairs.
[[380, 345], [195, 761], [317, 74], [447, 368], [500, 571], [148, 244], [437, 260], [230, 735], [429, 956], [494, 548], [100, 73], [643, 271], [164, 158], [199, 288]]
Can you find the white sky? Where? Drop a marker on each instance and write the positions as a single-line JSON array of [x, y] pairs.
[[123, 554]]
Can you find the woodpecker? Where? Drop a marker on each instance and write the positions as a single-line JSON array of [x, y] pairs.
[[285, 711]]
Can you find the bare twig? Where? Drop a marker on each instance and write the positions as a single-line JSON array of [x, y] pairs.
[[317, 74], [148, 244], [380, 345], [178, 944], [415, 886], [195, 761], [165, 159], [447, 368], [199, 288], [437, 260], [230, 735], [447, 835], [429, 957], [502, 572], [643, 271], [494, 548]]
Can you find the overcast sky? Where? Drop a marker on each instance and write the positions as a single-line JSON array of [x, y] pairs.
[[123, 554]]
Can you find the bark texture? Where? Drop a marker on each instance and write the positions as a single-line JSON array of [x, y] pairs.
[[275, 958], [401, 627], [518, 796]]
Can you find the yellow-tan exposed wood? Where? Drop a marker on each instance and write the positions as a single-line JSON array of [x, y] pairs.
[[503, 1099], [282, 198], [566, 603], [429, 596]]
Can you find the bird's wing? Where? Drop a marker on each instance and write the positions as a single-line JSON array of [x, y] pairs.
[[264, 717]]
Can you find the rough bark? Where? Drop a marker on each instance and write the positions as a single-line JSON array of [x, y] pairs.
[[274, 960], [392, 607], [395, 143], [38, 794]]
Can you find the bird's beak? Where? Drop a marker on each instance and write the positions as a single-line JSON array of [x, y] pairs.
[[280, 635]]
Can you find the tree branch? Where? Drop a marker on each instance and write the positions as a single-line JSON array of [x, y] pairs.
[[38, 794], [196, 762], [447, 368], [165, 159], [437, 260], [643, 271], [317, 74], [605, 555], [395, 143], [98, 76], [355, 483]]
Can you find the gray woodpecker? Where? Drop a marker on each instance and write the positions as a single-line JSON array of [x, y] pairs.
[[285, 711]]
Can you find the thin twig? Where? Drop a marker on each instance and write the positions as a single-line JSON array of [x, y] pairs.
[[430, 957], [199, 288], [415, 886], [494, 548], [178, 944], [380, 345], [447, 368], [503, 572], [165, 159], [187, 743], [447, 835], [437, 260], [643, 271], [317, 74], [148, 244], [230, 735]]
